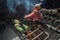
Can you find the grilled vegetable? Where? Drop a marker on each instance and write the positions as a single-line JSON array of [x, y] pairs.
[[19, 29], [17, 25], [16, 21], [25, 27]]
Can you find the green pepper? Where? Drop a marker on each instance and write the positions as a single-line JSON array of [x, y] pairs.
[[19, 29], [25, 27]]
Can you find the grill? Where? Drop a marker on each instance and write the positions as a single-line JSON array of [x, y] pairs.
[[35, 32], [52, 22]]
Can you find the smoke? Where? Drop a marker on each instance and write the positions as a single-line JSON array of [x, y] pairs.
[[28, 4]]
